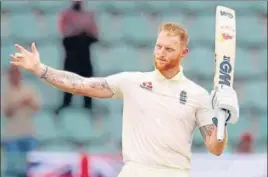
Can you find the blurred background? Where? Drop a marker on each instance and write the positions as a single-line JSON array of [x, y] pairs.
[[99, 38]]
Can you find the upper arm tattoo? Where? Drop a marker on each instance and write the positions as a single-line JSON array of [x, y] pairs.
[[207, 130], [99, 83], [74, 83]]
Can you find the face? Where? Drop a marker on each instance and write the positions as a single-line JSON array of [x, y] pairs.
[[168, 52], [77, 5]]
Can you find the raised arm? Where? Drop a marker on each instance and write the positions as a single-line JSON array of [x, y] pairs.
[[224, 98], [73, 83], [66, 81], [206, 122]]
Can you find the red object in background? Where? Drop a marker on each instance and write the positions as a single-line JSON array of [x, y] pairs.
[[85, 165], [70, 23], [245, 143], [66, 175], [72, 165], [247, 137]]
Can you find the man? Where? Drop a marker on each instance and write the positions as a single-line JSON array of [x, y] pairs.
[[161, 108], [19, 105], [79, 31]]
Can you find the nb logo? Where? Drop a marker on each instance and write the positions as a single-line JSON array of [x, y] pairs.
[[223, 13]]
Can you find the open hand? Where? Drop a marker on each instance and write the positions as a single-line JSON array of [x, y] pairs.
[[25, 59]]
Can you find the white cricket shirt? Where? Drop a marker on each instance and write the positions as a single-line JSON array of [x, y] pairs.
[[160, 116]]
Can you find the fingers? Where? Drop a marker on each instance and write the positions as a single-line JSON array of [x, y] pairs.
[[19, 58], [20, 48], [14, 60], [15, 63], [34, 50], [14, 57]]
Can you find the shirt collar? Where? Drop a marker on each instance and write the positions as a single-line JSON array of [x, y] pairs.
[[177, 77]]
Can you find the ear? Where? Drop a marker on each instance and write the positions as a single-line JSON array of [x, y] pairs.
[[185, 51]]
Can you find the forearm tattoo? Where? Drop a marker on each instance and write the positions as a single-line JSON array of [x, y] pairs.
[[207, 130], [71, 82]]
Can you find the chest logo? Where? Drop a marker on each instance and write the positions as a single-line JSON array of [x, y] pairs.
[[183, 97], [147, 85]]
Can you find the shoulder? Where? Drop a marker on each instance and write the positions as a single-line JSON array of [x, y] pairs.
[[125, 78], [130, 75]]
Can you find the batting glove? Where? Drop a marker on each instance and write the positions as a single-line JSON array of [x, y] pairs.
[[226, 98]]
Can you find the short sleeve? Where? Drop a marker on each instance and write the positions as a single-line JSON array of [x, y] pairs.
[[117, 83], [205, 112]]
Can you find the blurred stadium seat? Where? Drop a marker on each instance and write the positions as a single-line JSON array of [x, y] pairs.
[[262, 60], [203, 28], [113, 105], [51, 55], [5, 52], [200, 61], [249, 28], [245, 64], [109, 27], [114, 120], [21, 29], [45, 126], [130, 30], [50, 96], [10, 5], [122, 6], [159, 6], [121, 56], [254, 95], [76, 124], [235, 131], [52, 26], [48, 5], [263, 129], [174, 18]]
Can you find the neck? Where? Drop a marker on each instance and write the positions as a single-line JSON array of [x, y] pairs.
[[169, 73]]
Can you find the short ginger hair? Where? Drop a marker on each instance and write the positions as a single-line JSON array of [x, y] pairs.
[[175, 30]]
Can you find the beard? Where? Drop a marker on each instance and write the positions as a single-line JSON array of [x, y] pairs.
[[166, 65]]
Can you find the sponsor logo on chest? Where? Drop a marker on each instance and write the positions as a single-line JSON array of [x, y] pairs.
[[147, 85]]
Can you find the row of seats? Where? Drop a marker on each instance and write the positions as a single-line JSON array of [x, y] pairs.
[[137, 27], [105, 60], [113, 127], [158, 6], [77, 126]]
